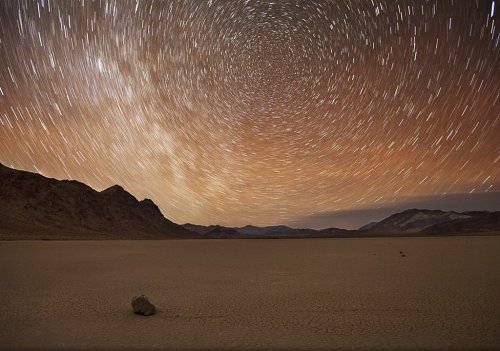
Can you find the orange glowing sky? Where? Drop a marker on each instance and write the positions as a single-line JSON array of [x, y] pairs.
[[254, 111]]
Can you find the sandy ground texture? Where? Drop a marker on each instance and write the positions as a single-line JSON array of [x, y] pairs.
[[317, 294]]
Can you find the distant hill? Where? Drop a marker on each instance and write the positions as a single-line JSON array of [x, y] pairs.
[[421, 221], [35, 207], [251, 231], [475, 222]]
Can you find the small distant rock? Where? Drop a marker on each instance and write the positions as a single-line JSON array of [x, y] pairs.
[[141, 305]]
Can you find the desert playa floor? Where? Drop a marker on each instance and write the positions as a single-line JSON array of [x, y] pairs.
[[252, 294]]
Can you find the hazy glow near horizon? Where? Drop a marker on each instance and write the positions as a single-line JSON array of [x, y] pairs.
[[237, 112]]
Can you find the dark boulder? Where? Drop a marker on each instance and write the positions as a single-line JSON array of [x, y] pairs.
[[141, 305]]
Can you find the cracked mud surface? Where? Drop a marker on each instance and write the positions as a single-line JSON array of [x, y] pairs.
[[252, 294]]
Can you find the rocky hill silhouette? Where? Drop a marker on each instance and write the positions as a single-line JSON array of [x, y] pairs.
[[34, 206], [422, 221]]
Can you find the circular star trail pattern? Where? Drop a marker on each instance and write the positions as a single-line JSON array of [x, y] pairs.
[[261, 112]]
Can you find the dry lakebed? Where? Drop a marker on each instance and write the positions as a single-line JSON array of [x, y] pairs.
[[318, 294]]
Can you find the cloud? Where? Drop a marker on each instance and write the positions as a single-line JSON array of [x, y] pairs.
[[353, 219]]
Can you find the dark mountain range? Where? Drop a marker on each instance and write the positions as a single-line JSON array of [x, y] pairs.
[[33, 206], [414, 222], [420, 221], [250, 231]]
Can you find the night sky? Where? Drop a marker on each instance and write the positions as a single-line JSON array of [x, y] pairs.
[[261, 112]]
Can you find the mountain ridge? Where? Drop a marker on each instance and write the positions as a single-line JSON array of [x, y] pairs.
[[51, 207], [36, 207], [411, 222]]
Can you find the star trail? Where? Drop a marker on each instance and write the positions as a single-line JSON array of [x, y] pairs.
[[261, 112]]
